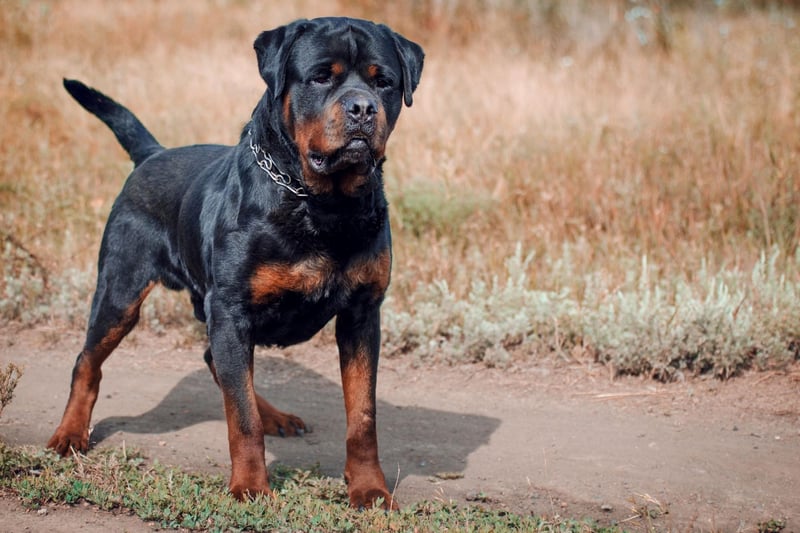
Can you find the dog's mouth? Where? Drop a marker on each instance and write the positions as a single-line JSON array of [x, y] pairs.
[[357, 156]]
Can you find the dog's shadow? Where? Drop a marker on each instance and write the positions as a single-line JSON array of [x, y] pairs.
[[413, 440]]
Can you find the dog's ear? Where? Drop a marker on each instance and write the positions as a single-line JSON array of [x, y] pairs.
[[272, 50], [411, 58]]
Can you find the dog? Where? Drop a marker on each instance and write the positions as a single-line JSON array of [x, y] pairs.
[[272, 237]]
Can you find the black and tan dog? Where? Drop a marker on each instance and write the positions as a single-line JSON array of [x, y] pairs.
[[272, 237]]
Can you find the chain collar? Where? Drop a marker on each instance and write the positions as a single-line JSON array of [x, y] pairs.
[[267, 164]]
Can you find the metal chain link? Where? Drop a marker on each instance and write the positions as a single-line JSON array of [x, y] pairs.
[[267, 164]]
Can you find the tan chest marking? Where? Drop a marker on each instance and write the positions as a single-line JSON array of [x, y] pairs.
[[271, 280], [372, 271], [311, 275]]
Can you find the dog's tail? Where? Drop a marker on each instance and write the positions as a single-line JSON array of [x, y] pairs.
[[130, 132]]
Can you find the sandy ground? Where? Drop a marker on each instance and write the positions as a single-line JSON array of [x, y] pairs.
[[701, 455]]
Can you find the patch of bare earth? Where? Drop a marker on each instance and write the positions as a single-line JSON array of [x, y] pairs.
[[562, 440]]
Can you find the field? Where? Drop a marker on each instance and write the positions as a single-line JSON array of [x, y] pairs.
[[577, 182], [590, 180]]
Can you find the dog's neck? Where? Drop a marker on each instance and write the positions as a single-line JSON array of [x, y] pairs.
[[267, 139], [267, 164], [331, 219]]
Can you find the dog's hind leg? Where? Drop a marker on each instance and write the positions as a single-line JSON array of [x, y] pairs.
[[121, 288], [275, 422]]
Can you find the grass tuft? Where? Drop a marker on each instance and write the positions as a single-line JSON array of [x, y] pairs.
[[9, 377], [122, 480], [426, 207]]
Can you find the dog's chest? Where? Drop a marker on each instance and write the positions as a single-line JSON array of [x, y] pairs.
[[319, 278], [290, 302]]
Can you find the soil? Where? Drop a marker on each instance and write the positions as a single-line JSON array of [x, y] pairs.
[[553, 439]]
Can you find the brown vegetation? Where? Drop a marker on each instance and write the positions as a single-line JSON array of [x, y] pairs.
[[592, 134]]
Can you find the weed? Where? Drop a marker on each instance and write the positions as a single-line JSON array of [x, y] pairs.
[[645, 507], [772, 526], [8, 382]]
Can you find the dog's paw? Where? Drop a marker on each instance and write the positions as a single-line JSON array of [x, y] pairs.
[[286, 425], [367, 498], [279, 424], [63, 442], [243, 492]]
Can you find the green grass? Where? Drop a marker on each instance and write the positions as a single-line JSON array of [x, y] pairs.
[[119, 479]]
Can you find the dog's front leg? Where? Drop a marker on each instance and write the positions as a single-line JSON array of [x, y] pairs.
[[358, 338], [232, 347]]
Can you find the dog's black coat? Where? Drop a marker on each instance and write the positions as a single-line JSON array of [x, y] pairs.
[[263, 264]]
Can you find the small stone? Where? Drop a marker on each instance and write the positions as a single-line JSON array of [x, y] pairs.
[[606, 508], [42, 511]]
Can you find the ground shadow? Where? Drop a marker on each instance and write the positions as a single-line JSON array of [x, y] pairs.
[[413, 440]]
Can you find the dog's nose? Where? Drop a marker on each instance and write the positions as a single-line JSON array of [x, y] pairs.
[[360, 108]]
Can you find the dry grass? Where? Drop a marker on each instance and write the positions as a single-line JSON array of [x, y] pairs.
[[614, 149], [9, 377], [591, 134]]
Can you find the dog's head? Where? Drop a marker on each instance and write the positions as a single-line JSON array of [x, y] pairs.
[[340, 84]]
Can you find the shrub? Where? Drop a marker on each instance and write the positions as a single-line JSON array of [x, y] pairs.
[[8, 382]]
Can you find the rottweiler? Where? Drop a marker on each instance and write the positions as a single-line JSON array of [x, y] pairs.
[[272, 237]]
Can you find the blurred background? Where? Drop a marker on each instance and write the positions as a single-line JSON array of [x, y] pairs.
[[573, 175]]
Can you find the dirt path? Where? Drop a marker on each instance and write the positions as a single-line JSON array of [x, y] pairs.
[[566, 441]]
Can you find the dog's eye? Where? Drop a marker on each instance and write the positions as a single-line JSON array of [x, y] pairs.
[[324, 77], [383, 82]]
